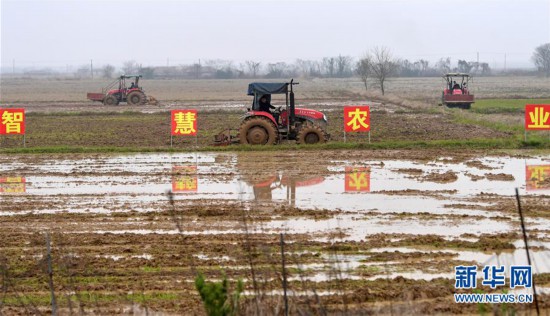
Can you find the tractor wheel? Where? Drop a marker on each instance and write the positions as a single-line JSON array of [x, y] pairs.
[[310, 133], [136, 98], [110, 100], [258, 131]]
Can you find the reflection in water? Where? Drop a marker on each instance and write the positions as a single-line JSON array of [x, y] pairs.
[[13, 185], [184, 178], [537, 177]]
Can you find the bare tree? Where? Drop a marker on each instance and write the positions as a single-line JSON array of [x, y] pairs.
[[107, 71], [329, 63], [130, 67], [253, 67], [541, 58], [443, 65], [364, 69], [383, 65], [343, 65]]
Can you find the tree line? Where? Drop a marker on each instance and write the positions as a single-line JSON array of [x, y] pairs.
[[373, 68]]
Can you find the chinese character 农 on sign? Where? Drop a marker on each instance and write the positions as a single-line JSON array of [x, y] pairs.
[[356, 118], [357, 179], [12, 121], [537, 117], [184, 122]]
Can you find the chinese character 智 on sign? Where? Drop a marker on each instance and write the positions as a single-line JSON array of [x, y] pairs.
[[537, 117], [184, 122], [12, 121], [356, 118]]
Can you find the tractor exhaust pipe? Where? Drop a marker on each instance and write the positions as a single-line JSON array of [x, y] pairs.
[[292, 116]]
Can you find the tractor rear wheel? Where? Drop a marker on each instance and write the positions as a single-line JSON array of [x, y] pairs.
[[110, 100], [136, 98], [310, 134], [258, 130]]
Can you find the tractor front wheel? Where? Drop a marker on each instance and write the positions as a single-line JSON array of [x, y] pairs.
[[110, 100], [310, 134], [258, 131], [136, 98]]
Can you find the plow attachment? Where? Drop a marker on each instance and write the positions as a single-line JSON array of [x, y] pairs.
[[226, 137]]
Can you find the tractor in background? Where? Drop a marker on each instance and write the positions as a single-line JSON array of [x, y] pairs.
[[456, 93], [118, 91], [257, 127]]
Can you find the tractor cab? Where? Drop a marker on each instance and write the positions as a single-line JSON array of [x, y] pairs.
[[260, 126], [456, 92], [125, 88]]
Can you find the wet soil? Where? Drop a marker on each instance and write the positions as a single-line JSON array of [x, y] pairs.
[[121, 245]]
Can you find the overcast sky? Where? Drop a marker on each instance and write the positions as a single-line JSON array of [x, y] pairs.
[[59, 33]]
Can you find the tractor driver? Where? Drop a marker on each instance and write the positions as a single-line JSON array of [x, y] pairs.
[[265, 106], [133, 85]]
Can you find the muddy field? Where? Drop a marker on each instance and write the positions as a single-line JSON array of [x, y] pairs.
[[366, 231]]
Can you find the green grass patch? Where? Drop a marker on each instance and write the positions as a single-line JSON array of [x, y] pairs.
[[534, 142], [491, 106]]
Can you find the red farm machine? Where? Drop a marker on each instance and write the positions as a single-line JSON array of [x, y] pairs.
[[260, 127], [456, 93], [118, 91]]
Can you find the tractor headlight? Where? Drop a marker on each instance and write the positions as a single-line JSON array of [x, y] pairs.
[[325, 117]]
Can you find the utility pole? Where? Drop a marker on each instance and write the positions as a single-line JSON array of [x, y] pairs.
[[92, 68], [13, 66]]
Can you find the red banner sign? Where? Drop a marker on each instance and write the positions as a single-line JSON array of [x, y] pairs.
[[537, 177], [357, 179], [13, 185], [185, 179], [356, 118], [537, 117], [12, 121], [184, 122]]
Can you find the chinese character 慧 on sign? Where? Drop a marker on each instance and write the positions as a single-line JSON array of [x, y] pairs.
[[184, 122], [537, 116], [12, 121], [356, 119]]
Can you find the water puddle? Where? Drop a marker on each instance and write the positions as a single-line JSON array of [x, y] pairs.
[[367, 195]]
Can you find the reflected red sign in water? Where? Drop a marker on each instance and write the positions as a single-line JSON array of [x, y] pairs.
[[13, 185], [357, 179], [184, 179], [537, 177]]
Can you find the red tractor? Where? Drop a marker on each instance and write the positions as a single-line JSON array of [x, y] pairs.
[[257, 127], [457, 94], [117, 91]]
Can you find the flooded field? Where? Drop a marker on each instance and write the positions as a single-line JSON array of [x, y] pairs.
[[351, 217]]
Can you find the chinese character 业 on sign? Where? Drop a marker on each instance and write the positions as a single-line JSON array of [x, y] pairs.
[[356, 119], [537, 117], [184, 122], [357, 179], [12, 121], [185, 179], [537, 177]]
